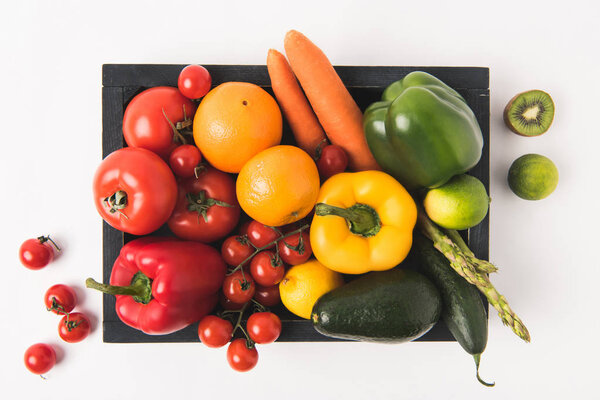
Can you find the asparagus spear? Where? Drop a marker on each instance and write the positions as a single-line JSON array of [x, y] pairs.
[[473, 270]]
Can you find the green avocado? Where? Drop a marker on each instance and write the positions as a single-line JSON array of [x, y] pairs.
[[392, 306]]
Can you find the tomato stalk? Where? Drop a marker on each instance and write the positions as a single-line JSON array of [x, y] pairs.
[[116, 202], [238, 323], [44, 239], [201, 203], [58, 308], [181, 125]]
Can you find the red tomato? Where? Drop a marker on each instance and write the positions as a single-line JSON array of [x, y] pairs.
[[74, 327], [333, 160], [40, 358], [194, 81], [293, 252], [239, 287], [214, 331], [261, 235], [60, 299], [240, 356], [134, 190], [184, 160], [228, 304], [268, 296], [37, 253], [263, 327], [236, 249], [150, 118], [207, 208], [267, 269]]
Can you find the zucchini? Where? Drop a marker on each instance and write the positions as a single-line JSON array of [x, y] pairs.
[[462, 307]]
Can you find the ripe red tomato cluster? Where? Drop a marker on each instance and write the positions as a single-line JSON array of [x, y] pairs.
[[73, 326], [259, 255], [261, 328]]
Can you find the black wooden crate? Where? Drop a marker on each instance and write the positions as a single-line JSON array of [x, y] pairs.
[[123, 81]]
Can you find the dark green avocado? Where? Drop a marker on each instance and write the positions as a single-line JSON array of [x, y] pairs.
[[392, 306]]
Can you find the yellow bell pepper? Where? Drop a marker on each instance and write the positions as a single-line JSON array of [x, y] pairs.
[[363, 222]]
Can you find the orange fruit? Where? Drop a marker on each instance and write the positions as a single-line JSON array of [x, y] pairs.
[[234, 122], [278, 186]]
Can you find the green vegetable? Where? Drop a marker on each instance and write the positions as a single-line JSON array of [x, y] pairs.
[[423, 132], [462, 307], [392, 306]]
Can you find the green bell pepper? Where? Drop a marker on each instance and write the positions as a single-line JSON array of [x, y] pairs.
[[423, 132]]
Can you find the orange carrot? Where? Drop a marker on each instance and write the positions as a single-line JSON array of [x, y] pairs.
[[300, 116], [335, 108]]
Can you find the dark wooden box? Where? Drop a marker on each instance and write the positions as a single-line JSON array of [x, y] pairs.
[[123, 81]]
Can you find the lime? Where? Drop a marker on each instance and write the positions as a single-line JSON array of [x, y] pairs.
[[460, 203], [533, 177]]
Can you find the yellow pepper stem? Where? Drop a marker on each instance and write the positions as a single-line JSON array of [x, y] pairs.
[[362, 219]]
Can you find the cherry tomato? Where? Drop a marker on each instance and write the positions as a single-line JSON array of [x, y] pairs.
[[333, 160], [267, 269], [37, 253], [74, 327], [263, 327], [261, 235], [228, 304], [240, 356], [293, 252], [239, 287], [134, 190], [268, 296], [60, 299], [214, 331], [207, 208], [236, 249], [184, 160], [40, 358], [151, 117], [194, 81]]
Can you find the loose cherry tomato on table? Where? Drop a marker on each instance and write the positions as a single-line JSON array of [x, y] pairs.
[[263, 327], [241, 355], [184, 160], [239, 287], [214, 331], [134, 190], [294, 251], [40, 358], [266, 268], [332, 160], [74, 327], [268, 296], [261, 235], [37, 253], [194, 81], [150, 120], [207, 208], [60, 299]]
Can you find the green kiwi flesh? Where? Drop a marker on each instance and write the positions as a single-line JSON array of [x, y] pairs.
[[529, 113]]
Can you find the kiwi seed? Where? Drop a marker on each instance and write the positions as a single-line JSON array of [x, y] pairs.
[[529, 113]]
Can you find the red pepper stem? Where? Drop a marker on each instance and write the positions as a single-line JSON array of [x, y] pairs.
[[140, 288]]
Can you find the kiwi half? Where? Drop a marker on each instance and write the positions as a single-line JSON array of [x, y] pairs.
[[529, 113]]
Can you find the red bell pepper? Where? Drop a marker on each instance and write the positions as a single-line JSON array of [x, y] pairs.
[[163, 285]]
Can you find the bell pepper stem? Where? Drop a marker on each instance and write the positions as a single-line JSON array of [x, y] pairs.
[[362, 219], [140, 288]]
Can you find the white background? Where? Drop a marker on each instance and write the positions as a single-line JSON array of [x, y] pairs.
[[50, 108]]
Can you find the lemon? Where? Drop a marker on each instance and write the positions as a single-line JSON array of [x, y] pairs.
[[303, 284], [460, 203]]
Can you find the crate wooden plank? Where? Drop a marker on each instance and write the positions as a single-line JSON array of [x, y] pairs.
[[123, 81], [149, 75]]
